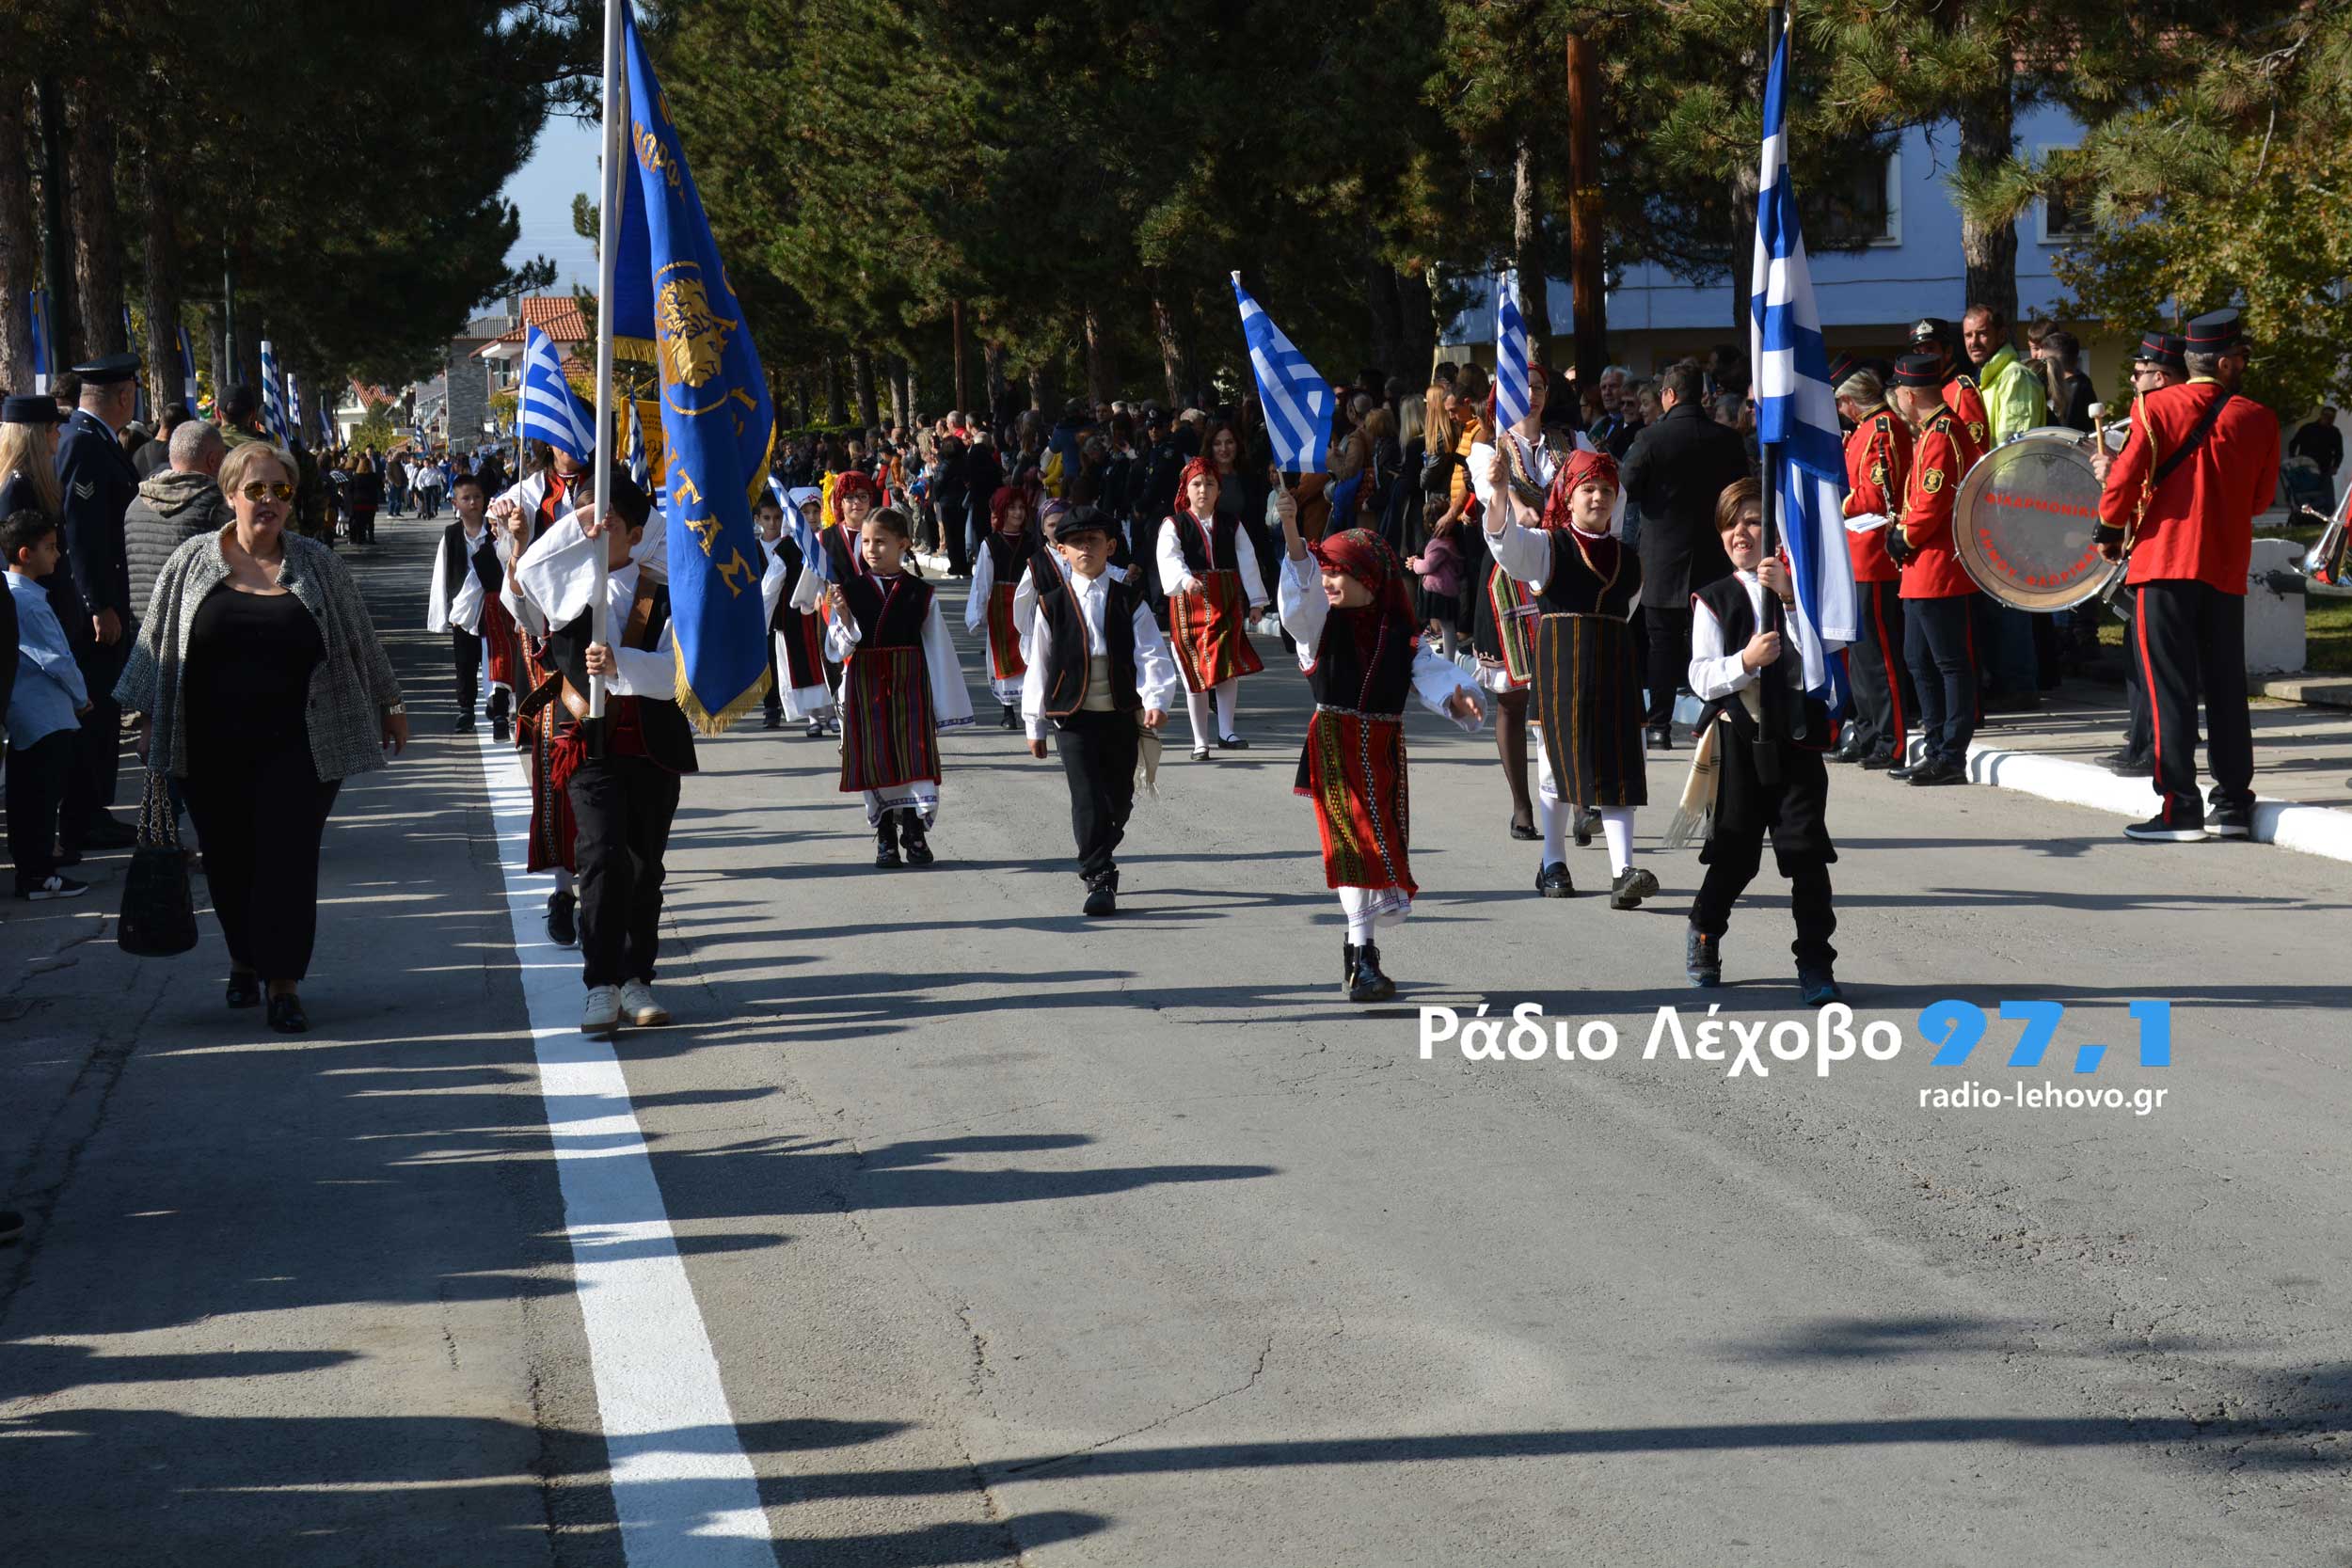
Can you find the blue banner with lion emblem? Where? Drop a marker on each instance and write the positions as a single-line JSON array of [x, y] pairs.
[[716, 420]]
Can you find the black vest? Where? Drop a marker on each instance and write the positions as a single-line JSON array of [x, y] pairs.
[[788, 548], [1069, 653], [1221, 555], [669, 738], [1727, 597], [486, 563], [1373, 677], [1573, 587], [1005, 552], [886, 618]]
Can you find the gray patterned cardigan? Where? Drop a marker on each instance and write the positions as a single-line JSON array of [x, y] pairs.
[[349, 691]]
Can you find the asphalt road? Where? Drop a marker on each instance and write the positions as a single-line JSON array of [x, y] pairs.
[[1020, 1237]]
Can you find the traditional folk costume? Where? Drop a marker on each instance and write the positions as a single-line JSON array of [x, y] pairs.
[[901, 686], [995, 575], [622, 772], [546, 498], [1210, 625], [1878, 474], [1587, 675], [1361, 665], [1097, 661], [805, 680], [836, 538], [1745, 806], [467, 573], [1502, 630]]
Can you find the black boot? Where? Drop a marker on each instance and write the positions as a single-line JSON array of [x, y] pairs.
[[564, 920], [1347, 967], [1103, 895], [911, 834], [1369, 984], [887, 841], [1702, 957]]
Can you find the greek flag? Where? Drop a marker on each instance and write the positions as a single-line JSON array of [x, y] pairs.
[[1511, 355], [640, 471], [273, 395], [1796, 412], [546, 407], [1298, 401], [813, 556], [188, 369], [293, 405]]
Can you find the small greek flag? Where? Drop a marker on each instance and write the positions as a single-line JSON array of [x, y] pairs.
[[1796, 411], [640, 471], [1297, 399], [294, 403], [273, 395], [187, 368], [547, 408], [1511, 355]]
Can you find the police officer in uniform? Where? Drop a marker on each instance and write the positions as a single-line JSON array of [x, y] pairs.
[[2179, 502], [92, 589]]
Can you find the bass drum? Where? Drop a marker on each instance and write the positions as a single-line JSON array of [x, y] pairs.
[[2022, 522]]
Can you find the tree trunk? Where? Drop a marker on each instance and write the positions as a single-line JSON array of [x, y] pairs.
[[963, 387], [862, 367], [1046, 387], [97, 242], [837, 412], [1417, 326], [20, 271], [1988, 251], [1588, 288], [57, 255], [1174, 371], [1528, 251], [1382, 304], [907, 389], [1102, 360], [999, 394], [164, 373]]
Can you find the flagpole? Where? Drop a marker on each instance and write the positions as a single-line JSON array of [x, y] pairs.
[[607, 269], [1772, 715]]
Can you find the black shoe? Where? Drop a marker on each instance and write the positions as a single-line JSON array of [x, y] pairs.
[[463, 723], [1850, 749], [1629, 890], [1901, 774], [918, 847], [1013, 717], [772, 719], [1102, 894], [501, 729], [104, 832], [1703, 958], [887, 841], [244, 990], [2230, 822], [1818, 985], [1937, 772], [2168, 828], [1661, 738], [1369, 984], [816, 729], [1586, 826], [1231, 743], [1553, 881], [564, 920], [1524, 829], [1876, 760], [2129, 765], [286, 1015]]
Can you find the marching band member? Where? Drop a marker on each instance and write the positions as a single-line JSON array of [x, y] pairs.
[[2179, 503], [1938, 641], [2159, 362], [1210, 570], [1878, 471]]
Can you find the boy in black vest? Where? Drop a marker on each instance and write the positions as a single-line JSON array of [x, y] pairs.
[[464, 602], [1731, 653], [1096, 662], [620, 772]]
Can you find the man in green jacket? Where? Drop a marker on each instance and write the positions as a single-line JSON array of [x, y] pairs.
[[2017, 642]]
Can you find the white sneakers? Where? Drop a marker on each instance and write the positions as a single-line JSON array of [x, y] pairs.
[[639, 1006], [602, 1015]]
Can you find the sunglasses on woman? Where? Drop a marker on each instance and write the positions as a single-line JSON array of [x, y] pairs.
[[278, 490]]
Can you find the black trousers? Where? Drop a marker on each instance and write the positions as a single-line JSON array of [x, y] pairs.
[[1669, 632], [1940, 645], [1885, 701], [98, 754], [37, 778], [466, 653], [260, 817], [621, 807], [1097, 757], [2190, 640], [2140, 729], [1794, 812]]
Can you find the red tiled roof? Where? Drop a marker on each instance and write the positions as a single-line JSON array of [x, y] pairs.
[[557, 315]]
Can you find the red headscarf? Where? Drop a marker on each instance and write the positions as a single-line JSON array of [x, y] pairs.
[[854, 481], [1200, 468], [1366, 557], [1581, 467], [1006, 494]]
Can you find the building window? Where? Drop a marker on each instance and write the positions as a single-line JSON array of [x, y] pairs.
[[1865, 209], [2065, 212]]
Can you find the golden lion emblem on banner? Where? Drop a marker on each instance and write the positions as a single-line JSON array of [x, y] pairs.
[[694, 337]]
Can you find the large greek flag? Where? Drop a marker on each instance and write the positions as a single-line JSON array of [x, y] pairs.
[[1298, 401], [1796, 411], [546, 407], [1511, 355], [273, 395]]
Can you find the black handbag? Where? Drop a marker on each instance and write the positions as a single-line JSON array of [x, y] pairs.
[[158, 906]]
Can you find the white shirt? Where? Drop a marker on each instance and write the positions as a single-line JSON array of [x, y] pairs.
[[1715, 673], [1156, 680], [554, 583], [1536, 457], [1305, 609], [1174, 574]]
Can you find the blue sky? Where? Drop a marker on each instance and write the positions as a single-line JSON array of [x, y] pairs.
[[562, 164]]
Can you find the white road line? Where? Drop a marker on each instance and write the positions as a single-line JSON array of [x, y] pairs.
[[681, 1485]]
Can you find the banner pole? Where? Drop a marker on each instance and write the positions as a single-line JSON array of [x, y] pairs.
[[607, 227]]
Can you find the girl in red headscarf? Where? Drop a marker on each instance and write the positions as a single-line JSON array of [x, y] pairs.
[[1587, 672], [1214, 587], [1347, 607], [1504, 618], [1004, 556]]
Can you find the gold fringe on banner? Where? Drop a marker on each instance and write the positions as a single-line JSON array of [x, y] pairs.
[[752, 696]]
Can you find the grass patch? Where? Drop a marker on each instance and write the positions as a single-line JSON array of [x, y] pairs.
[[2327, 622]]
